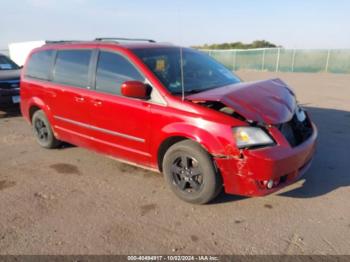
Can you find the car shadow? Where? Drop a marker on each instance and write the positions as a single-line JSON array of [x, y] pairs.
[[331, 163], [15, 111], [9, 111]]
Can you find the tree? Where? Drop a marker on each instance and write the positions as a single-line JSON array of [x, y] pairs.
[[239, 45]]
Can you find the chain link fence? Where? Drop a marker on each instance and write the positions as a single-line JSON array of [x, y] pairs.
[[280, 59], [285, 60]]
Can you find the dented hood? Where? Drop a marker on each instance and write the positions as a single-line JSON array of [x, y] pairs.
[[269, 101]]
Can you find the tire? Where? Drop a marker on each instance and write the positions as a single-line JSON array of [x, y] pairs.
[[190, 172], [42, 131]]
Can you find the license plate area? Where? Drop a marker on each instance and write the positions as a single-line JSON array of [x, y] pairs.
[[16, 99]]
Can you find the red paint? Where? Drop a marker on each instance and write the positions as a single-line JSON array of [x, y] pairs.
[[277, 105], [149, 125], [134, 89]]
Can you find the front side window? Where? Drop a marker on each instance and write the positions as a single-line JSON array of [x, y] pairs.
[[72, 67], [112, 71], [199, 71], [39, 65]]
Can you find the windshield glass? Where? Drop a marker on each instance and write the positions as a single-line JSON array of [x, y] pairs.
[[200, 72], [7, 64]]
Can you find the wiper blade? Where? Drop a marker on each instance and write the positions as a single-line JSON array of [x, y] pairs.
[[188, 92]]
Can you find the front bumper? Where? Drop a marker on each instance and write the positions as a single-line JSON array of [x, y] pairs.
[[6, 96], [247, 175]]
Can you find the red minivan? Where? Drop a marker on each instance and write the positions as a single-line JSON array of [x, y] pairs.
[[171, 109]]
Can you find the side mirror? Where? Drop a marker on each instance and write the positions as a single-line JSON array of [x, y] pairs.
[[135, 89]]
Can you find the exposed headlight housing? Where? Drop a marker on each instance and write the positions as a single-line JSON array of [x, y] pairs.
[[247, 136]]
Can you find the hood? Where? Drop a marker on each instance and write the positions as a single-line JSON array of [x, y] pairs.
[[269, 101], [10, 75]]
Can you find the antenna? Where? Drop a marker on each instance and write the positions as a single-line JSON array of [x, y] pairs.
[[182, 74]]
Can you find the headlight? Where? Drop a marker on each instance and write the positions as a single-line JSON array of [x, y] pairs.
[[251, 136]]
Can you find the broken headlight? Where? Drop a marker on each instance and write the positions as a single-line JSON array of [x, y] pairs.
[[248, 136]]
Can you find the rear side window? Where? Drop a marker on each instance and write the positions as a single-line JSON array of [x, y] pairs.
[[112, 71], [72, 67], [39, 65]]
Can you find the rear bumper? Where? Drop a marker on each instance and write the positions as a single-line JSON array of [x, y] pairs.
[[248, 174]]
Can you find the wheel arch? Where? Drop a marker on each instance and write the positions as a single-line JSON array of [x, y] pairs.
[[164, 146], [36, 104], [204, 139], [32, 110]]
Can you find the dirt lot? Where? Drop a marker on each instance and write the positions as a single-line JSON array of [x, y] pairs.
[[74, 201]]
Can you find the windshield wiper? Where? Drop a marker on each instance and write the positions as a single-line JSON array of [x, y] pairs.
[[188, 92]]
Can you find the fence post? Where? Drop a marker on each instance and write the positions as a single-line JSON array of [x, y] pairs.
[[293, 59], [278, 59], [263, 61], [327, 62]]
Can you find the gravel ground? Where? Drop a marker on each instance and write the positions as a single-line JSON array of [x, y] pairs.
[[74, 201]]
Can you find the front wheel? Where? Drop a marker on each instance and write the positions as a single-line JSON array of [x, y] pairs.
[[190, 173]]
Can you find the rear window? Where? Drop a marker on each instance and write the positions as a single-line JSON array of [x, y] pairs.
[[39, 65], [72, 67]]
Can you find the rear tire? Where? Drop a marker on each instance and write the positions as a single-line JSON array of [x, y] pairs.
[[42, 131], [190, 172]]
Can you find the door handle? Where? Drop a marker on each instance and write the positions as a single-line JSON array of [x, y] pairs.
[[52, 94], [79, 99], [97, 102]]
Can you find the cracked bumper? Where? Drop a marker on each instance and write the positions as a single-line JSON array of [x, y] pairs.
[[284, 165]]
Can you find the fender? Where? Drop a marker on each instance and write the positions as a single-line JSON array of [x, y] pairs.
[[202, 132], [36, 101]]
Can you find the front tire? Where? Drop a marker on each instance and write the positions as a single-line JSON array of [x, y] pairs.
[[42, 131], [190, 172]]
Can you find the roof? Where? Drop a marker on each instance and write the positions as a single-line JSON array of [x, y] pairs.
[[129, 44]]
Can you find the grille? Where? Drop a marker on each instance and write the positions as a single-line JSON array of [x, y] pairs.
[[295, 131], [11, 84]]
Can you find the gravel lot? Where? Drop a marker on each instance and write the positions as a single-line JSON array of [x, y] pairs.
[[74, 201]]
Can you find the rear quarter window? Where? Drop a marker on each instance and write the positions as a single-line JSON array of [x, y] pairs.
[[72, 67], [39, 65]]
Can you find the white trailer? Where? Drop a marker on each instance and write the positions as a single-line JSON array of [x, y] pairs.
[[20, 51]]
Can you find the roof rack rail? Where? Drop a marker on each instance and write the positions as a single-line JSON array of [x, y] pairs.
[[124, 39], [62, 41]]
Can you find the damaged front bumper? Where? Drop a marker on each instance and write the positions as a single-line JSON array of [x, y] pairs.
[[263, 171]]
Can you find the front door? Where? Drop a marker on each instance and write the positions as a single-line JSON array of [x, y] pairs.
[[121, 124]]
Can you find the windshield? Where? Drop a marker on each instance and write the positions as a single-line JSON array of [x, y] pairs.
[[7, 64], [200, 72]]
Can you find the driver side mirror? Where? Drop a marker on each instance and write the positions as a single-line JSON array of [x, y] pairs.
[[135, 89]]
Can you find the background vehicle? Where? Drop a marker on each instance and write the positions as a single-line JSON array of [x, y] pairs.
[[9, 81], [171, 109]]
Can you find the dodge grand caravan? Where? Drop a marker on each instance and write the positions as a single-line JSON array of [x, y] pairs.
[[170, 109]]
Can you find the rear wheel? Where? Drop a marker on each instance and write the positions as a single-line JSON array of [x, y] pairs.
[[43, 132], [190, 172]]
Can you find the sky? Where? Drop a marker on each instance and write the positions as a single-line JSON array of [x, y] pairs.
[[291, 23]]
